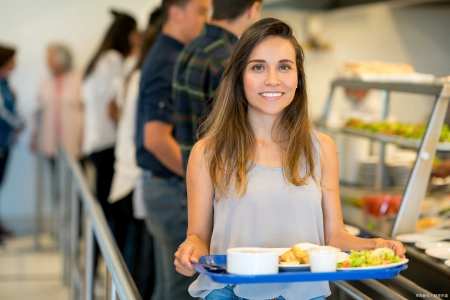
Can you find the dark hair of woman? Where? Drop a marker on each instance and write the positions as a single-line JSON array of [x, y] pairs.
[[150, 35], [230, 142], [117, 38]]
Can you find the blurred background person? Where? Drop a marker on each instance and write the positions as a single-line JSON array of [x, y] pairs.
[[131, 236], [99, 89], [10, 122], [202, 62], [157, 151], [59, 117], [364, 104]]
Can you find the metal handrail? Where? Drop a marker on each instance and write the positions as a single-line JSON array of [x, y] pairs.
[[118, 279]]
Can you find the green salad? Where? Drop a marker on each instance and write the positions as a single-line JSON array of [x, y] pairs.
[[370, 258]]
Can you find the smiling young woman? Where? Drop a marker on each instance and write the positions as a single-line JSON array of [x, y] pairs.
[[261, 176]]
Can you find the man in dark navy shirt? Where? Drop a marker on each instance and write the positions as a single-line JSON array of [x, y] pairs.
[[157, 151]]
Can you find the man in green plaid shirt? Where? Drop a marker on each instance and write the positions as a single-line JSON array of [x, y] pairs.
[[201, 63]]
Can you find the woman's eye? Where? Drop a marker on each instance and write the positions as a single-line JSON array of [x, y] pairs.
[[285, 67], [257, 68]]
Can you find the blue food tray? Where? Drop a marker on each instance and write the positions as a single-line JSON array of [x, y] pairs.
[[289, 276]]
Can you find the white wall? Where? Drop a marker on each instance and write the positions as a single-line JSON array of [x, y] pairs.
[[29, 26], [415, 35], [418, 36]]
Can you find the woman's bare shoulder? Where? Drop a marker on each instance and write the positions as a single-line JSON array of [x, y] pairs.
[[326, 143], [199, 149]]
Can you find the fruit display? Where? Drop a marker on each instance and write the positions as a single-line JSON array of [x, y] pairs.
[[405, 130]]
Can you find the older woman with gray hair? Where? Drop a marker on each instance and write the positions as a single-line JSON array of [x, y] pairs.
[[59, 117]]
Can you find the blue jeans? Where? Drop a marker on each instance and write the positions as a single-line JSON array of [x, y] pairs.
[[227, 293], [166, 219]]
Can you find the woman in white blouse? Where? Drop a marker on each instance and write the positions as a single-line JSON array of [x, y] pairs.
[[125, 189], [101, 78]]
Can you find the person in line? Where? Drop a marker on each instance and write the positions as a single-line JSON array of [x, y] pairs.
[[201, 64], [10, 122], [59, 117], [131, 235], [157, 151], [261, 176], [99, 88]]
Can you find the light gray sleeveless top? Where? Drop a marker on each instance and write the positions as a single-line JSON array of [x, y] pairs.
[[272, 214]]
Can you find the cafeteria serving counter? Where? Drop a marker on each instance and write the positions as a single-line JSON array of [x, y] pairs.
[[424, 271]]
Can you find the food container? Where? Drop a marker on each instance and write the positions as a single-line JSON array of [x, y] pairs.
[[323, 258], [252, 261], [382, 204]]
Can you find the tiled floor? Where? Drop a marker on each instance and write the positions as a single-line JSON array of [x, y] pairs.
[[27, 273]]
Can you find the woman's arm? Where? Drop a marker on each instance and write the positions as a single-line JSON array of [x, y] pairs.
[[335, 234], [200, 193]]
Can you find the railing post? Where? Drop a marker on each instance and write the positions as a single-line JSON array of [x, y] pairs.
[[39, 201], [74, 233], [113, 292], [89, 283], [64, 218], [107, 284]]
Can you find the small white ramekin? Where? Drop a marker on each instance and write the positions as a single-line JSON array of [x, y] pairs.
[[323, 258]]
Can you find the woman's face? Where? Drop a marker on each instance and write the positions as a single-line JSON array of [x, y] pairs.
[[52, 60], [270, 77], [135, 38]]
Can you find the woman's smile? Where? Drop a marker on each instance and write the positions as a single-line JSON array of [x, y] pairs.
[[271, 96]]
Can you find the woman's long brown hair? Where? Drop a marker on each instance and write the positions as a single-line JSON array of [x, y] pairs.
[[229, 138]]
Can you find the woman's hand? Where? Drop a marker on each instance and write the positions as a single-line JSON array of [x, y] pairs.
[[188, 253], [394, 245]]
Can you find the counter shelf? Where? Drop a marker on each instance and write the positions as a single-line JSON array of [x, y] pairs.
[[407, 143], [297, 276], [415, 190]]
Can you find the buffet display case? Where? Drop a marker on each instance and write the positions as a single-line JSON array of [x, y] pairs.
[[415, 191], [424, 271]]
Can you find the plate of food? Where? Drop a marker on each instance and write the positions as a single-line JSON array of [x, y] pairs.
[[296, 258], [380, 258]]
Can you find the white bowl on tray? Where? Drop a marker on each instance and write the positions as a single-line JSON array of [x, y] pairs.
[[252, 261]]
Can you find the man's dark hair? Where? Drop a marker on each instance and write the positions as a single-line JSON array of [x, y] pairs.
[[230, 9], [166, 4]]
